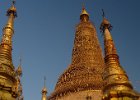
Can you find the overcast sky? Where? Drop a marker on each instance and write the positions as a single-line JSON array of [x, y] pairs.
[[44, 35]]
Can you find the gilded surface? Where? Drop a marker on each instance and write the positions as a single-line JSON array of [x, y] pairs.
[[44, 91], [85, 71], [115, 78], [82, 95], [10, 85]]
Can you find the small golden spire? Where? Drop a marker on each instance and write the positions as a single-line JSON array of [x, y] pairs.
[[19, 69], [84, 15], [114, 74], [18, 81], [108, 41], [12, 9], [105, 23], [84, 12], [6, 42], [11, 83], [44, 90]]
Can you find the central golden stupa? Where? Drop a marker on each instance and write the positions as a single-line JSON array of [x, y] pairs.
[[90, 76], [83, 78]]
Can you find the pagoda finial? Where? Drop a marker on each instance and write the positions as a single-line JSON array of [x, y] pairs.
[[20, 60], [103, 13], [12, 9], [105, 23], [44, 90], [105, 29], [83, 4], [19, 69], [114, 74], [18, 77], [14, 1], [84, 15], [44, 81]]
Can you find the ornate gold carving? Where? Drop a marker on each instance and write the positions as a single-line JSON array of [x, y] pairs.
[[115, 79], [85, 71], [10, 85]]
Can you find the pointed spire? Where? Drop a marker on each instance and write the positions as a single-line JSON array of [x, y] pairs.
[[87, 64], [105, 23], [84, 15], [12, 9], [7, 70], [105, 28], [103, 13], [109, 45], [44, 82], [115, 77], [19, 69], [6, 42], [44, 90], [84, 12]]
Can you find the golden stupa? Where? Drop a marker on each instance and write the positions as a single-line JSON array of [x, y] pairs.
[[10, 85], [90, 76]]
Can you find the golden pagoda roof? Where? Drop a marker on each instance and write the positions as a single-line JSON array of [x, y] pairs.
[[86, 68], [10, 87], [84, 12], [115, 77]]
